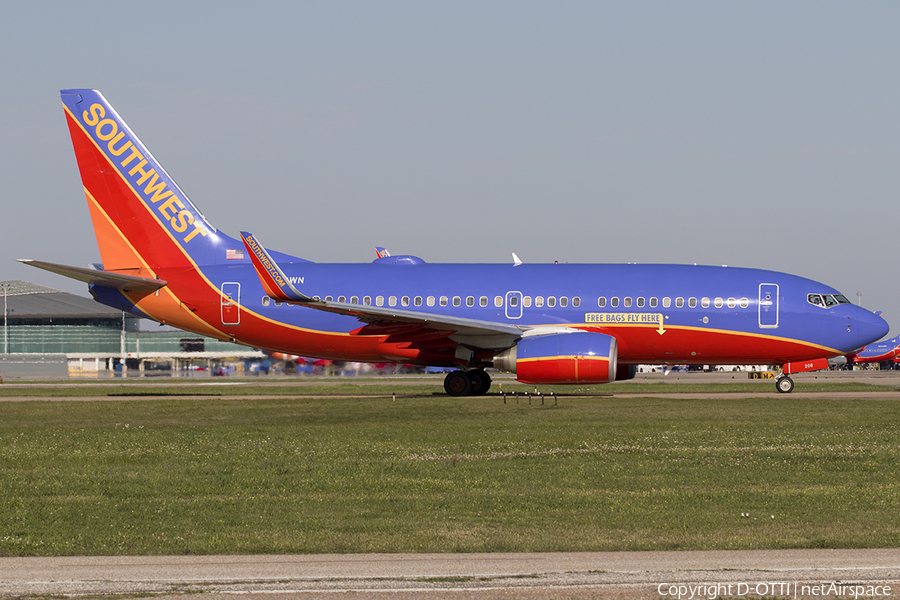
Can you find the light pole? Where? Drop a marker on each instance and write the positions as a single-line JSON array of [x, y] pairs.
[[5, 320]]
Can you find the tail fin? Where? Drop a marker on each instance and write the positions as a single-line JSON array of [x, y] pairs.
[[141, 218]]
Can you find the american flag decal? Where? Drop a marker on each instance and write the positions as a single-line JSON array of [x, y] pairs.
[[234, 254]]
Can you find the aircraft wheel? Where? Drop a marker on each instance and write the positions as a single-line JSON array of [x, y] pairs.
[[784, 385], [481, 382], [458, 383]]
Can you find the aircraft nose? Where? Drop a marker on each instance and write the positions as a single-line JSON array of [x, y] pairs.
[[870, 327]]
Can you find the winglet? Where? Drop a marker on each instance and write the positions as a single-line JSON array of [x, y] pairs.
[[381, 252], [273, 279], [516, 260]]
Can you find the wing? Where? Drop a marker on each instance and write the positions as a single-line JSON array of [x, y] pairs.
[[474, 333]]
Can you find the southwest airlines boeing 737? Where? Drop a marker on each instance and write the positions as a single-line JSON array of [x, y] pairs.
[[547, 323]]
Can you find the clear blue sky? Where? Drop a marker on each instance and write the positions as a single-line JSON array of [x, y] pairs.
[[759, 134]]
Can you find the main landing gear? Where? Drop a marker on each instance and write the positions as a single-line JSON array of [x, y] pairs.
[[467, 383], [784, 384]]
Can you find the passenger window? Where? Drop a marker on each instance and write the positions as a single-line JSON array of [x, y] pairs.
[[601, 301], [640, 302], [417, 300], [614, 302], [513, 300], [719, 303], [576, 301], [392, 301], [483, 301], [654, 302], [404, 301], [704, 302], [539, 301], [551, 301], [627, 302], [340, 299], [328, 298], [470, 300], [498, 301], [692, 302], [430, 300], [354, 299], [732, 303], [679, 302], [745, 302], [379, 300], [367, 300], [564, 302], [526, 301], [277, 303], [265, 300], [667, 302], [443, 300], [457, 300]]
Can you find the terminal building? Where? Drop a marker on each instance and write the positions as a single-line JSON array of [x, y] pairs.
[[47, 331]]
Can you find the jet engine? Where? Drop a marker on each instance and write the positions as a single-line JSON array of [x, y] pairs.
[[570, 357]]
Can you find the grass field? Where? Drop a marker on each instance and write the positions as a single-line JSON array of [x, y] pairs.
[[433, 474]]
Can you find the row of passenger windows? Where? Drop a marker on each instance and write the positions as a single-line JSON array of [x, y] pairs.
[[641, 302], [483, 301], [537, 301]]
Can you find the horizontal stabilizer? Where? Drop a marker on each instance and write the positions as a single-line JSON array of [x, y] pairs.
[[127, 283]]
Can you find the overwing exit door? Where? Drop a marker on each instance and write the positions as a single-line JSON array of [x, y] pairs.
[[513, 305]]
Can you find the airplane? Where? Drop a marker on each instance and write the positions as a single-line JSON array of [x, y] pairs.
[[546, 323], [883, 351]]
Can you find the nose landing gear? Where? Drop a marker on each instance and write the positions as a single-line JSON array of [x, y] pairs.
[[784, 384]]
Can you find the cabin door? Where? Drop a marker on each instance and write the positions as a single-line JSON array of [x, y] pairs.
[[768, 305], [231, 303]]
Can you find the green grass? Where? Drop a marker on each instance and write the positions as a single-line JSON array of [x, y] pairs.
[[433, 474]]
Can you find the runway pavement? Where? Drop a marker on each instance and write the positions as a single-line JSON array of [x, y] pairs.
[[710, 574]]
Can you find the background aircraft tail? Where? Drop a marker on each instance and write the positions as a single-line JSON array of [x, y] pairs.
[[141, 218]]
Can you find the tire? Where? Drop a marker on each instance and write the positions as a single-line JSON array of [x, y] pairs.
[[481, 382], [784, 385], [458, 383]]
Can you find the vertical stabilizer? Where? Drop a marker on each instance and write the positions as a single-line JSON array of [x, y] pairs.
[[141, 218]]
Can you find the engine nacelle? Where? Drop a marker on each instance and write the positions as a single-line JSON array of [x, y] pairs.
[[576, 357]]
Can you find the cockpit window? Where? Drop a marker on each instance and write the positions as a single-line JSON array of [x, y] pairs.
[[827, 300]]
